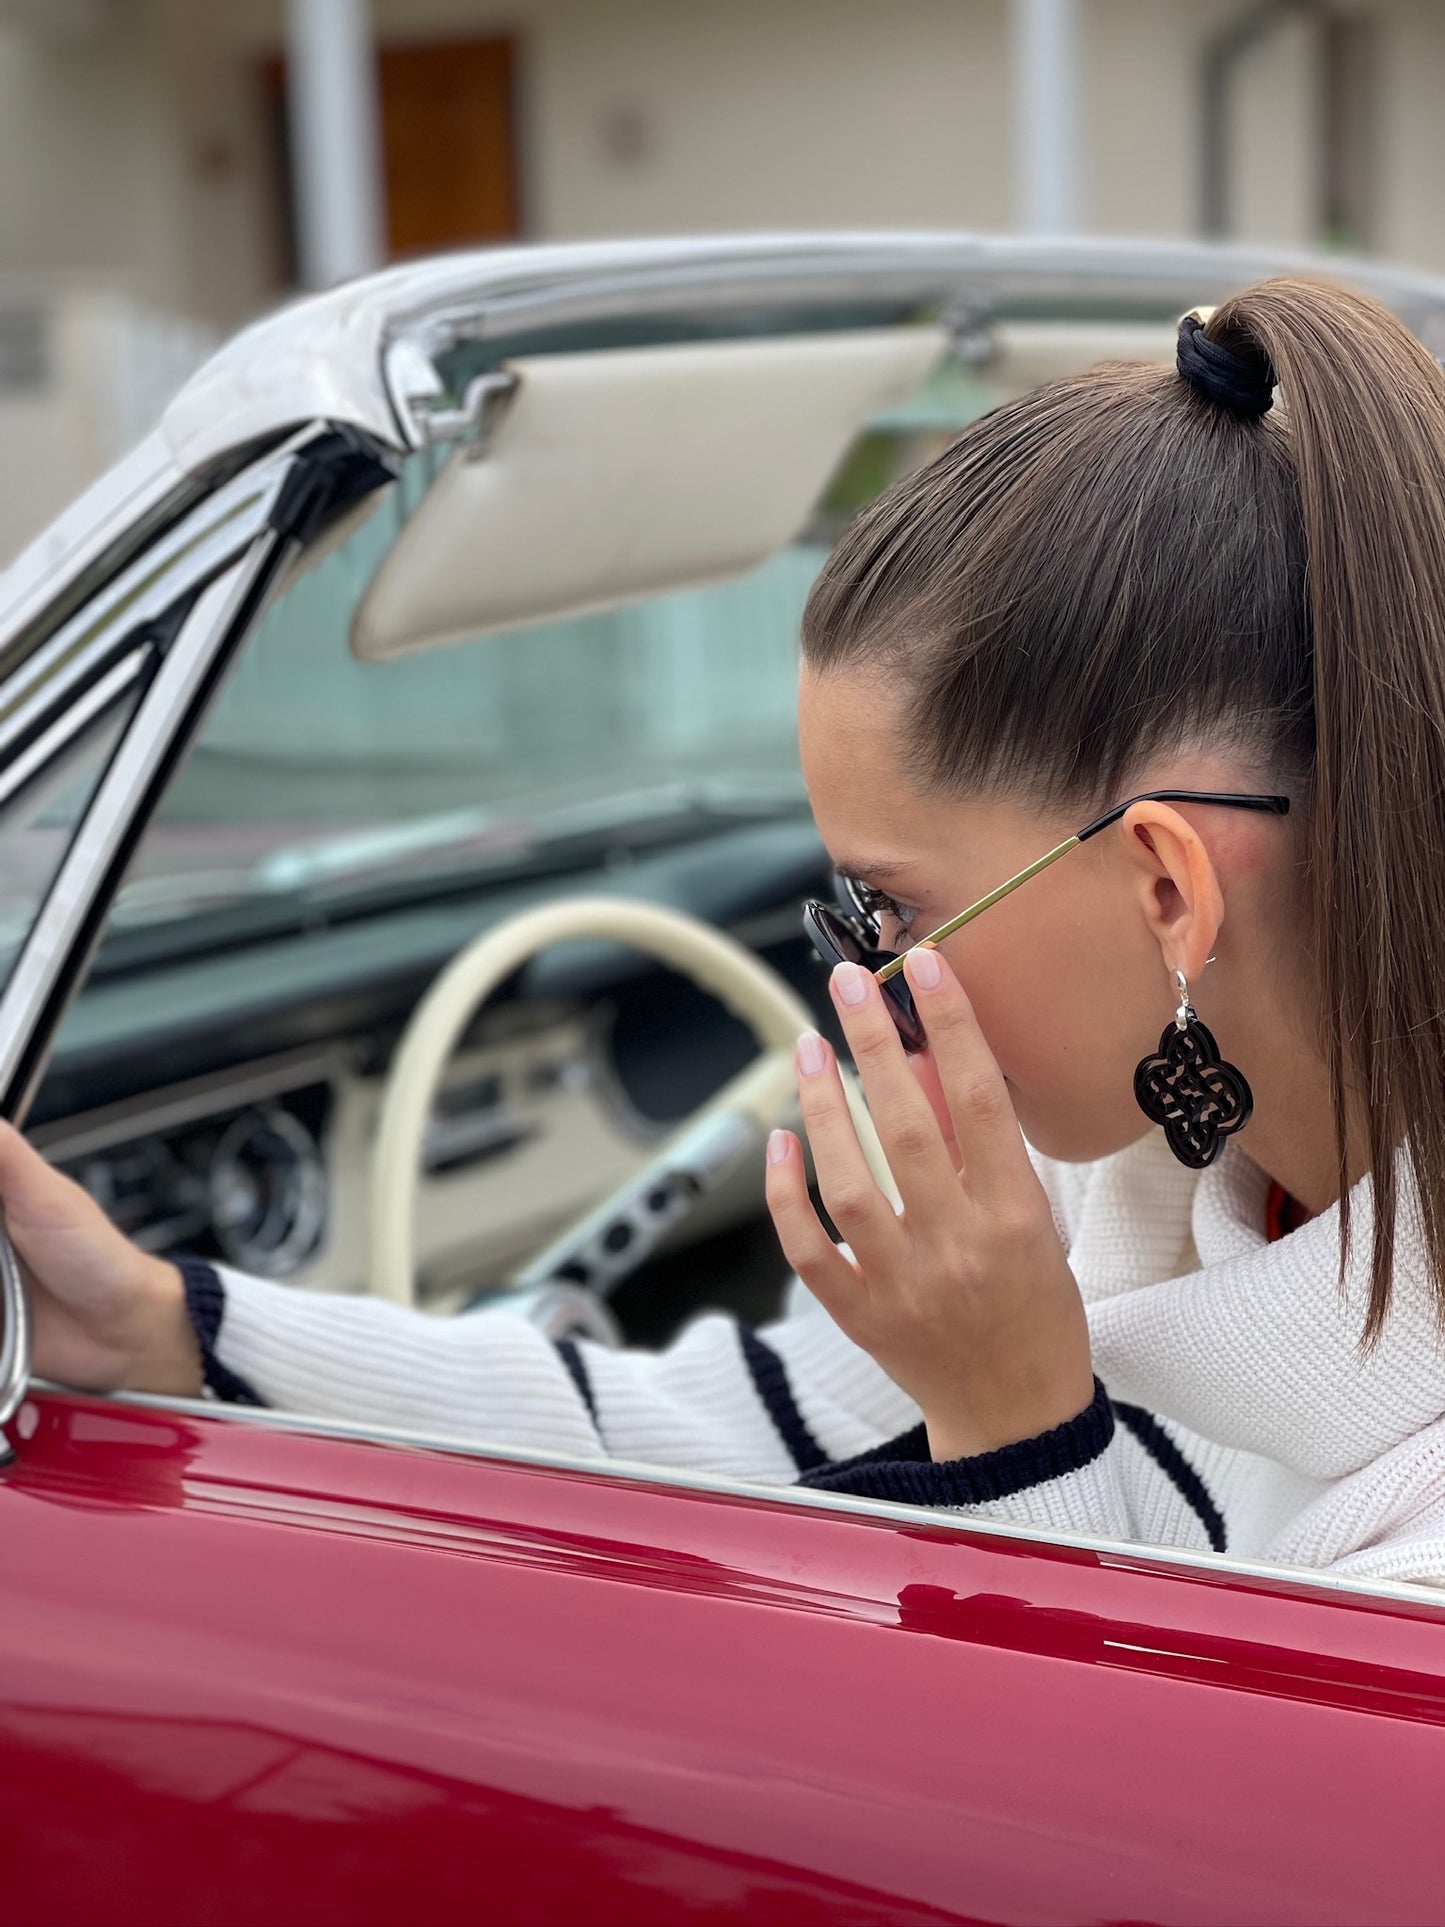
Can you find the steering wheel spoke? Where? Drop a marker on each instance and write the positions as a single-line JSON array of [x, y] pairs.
[[611, 1240]]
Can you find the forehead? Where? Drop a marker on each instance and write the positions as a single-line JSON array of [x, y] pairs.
[[849, 717], [854, 752]]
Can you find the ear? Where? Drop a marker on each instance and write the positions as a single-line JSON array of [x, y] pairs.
[[1178, 886]]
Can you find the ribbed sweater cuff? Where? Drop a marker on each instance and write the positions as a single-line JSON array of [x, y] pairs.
[[902, 1470], [206, 1304]]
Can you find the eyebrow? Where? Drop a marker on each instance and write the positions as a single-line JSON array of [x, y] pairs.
[[872, 872]]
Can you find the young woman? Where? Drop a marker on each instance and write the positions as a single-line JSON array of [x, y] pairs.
[[1160, 1288]]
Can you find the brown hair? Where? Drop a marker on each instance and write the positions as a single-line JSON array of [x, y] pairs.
[[1117, 566]]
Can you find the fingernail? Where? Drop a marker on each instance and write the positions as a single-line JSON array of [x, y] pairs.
[[852, 982], [811, 1055], [924, 968], [777, 1147]]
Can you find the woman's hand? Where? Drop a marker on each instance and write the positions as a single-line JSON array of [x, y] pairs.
[[965, 1298], [107, 1317]]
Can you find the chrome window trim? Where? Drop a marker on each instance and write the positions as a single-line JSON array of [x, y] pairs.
[[71, 724], [69, 558], [217, 529], [71, 913], [71, 900], [226, 554], [969, 279], [1206, 1565]]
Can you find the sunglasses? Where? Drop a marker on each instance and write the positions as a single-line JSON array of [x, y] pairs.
[[849, 931]]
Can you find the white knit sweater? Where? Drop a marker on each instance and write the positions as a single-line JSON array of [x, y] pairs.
[[1238, 1412]]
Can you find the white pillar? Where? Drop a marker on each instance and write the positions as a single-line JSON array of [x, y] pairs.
[[1046, 118], [335, 140]]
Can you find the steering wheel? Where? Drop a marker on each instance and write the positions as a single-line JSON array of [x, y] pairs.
[[610, 1239]]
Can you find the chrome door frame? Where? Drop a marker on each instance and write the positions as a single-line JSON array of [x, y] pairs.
[[188, 611]]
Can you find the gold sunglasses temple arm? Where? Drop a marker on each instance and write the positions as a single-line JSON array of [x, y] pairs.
[[977, 909]]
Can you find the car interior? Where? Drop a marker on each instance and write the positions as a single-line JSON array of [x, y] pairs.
[[475, 699]]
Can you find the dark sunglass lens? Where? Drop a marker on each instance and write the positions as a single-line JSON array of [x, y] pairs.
[[837, 939], [832, 935], [904, 1012]]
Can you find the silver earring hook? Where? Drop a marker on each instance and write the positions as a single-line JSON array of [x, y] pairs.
[[1186, 1009]]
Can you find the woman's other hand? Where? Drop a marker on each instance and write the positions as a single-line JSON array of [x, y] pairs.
[[965, 1297], [107, 1317]]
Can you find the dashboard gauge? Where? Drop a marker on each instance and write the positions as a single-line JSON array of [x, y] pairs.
[[268, 1192]]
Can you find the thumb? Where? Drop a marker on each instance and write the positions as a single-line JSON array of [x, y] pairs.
[[35, 1197]]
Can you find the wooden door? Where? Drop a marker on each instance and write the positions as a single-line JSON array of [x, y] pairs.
[[448, 136], [448, 128]]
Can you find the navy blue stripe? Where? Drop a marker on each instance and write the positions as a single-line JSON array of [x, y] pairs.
[[206, 1304], [1171, 1461], [770, 1380], [902, 1470], [577, 1371]]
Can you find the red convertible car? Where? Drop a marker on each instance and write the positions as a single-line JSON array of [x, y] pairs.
[[404, 840]]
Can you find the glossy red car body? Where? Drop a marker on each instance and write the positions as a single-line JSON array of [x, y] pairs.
[[254, 1675], [255, 1671]]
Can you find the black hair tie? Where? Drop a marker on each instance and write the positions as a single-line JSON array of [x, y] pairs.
[[1242, 383]]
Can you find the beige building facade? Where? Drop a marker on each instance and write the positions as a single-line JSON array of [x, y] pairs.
[[169, 168], [142, 142]]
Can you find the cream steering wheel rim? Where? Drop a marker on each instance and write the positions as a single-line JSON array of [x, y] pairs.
[[740, 981]]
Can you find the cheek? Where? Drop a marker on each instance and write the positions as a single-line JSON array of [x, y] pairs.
[[1068, 1056]]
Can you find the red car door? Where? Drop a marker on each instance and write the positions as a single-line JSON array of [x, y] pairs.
[[250, 1673]]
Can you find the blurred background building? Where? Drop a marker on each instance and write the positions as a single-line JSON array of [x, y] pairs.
[[170, 167]]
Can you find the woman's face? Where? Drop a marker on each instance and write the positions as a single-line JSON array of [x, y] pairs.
[[1066, 976]]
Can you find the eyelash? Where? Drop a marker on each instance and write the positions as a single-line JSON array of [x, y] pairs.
[[879, 904]]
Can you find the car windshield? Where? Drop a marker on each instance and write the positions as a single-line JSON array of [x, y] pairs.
[[320, 779], [319, 775]]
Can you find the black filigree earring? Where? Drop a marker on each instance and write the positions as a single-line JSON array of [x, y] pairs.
[[1189, 1089]]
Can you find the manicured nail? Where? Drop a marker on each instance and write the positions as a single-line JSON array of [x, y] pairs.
[[924, 969], [811, 1054], [777, 1147], [852, 982]]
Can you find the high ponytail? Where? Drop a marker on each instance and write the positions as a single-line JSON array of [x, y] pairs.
[[1119, 565], [1365, 418]]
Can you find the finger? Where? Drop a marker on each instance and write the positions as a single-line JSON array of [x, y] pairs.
[[989, 1141], [907, 1129], [924, 1066], [864, 1217], [805, 1243], [35, 1197]]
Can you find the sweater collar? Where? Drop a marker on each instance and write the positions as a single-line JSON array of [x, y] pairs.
[[1196, 1315]]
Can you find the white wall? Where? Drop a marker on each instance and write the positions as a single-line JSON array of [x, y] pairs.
[[104, 372], [1142, 84], [130, 155], [1412, 131], [814, 113], [743, 112], [84, 181]]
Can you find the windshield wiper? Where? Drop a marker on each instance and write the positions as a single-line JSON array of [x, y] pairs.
[[475, 843], [485, 837]]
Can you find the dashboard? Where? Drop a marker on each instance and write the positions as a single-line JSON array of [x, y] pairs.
[[225, 1103]]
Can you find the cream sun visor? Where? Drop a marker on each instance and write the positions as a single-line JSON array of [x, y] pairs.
[[621, 474]]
